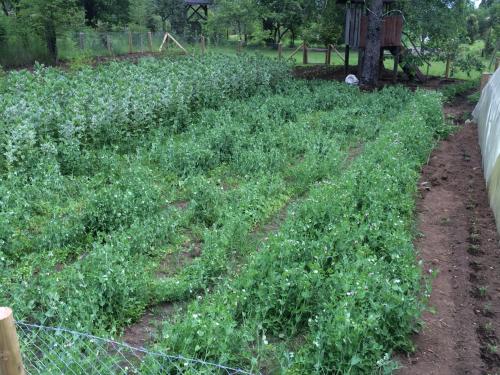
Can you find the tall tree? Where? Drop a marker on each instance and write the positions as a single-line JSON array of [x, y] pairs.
[[49, 18], [141, 12], [107, 12], [173, 11], [371, 55], [323, 21], [240, 15], [9, 7], [281, 17]]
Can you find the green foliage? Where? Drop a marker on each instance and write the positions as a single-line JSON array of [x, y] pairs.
[[241, 15], [172, 11], [472, 27], [49, 18], [451, 91], [474, 98], [108, 175], [106, 13], [337, 288], [469, 62]]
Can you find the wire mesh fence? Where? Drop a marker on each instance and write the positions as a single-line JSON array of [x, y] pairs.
[[49, 350], [109, 43]]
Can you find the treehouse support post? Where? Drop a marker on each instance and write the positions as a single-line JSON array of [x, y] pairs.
[[396, 64], [346, 59]]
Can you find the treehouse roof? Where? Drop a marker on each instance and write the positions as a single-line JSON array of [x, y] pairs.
[[198, 2], [361, 1]]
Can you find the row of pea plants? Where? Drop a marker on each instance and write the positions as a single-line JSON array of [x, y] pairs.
[[81, 250], [116, 103], [338, 289]]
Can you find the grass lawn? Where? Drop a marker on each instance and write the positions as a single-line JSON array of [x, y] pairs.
[[437, 68]]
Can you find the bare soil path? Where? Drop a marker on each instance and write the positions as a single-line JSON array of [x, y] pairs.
[[459, 244]]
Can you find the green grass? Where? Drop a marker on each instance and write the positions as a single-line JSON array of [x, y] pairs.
[[436, 68]]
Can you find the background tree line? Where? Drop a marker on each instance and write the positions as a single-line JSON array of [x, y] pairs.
[[440, 26]]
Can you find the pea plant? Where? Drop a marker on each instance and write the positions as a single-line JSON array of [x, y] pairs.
[[127, 185]]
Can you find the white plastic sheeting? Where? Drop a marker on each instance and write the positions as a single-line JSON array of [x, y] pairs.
[[487, 116]]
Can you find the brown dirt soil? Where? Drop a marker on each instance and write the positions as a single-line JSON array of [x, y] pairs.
[[459, 241], [144, 330], [336, 73]]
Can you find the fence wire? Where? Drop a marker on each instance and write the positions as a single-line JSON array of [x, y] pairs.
[[49, 350]]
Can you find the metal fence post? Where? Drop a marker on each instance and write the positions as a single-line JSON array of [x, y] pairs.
[[10, 354]]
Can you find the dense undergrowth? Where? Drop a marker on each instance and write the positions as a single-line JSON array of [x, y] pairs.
[[109, 176]]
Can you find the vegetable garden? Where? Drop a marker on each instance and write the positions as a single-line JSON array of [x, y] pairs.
[[124, 186]]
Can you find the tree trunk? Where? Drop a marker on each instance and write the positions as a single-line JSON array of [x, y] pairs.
[[370, 67], [5, 10], [90, 8], [51, 40]]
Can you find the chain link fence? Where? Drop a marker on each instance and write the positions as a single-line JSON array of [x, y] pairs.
[[49, 350]]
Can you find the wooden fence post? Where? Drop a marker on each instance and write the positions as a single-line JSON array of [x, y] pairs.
[[280, 51], [396, 65], [150, 41], [304, 53], [202, 44], [108, 43], [130, 42], [164, 42], [10, 354], [82, 40], [447, 70], [484, 80], [328, 56]]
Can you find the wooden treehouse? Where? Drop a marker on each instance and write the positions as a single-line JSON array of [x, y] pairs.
[[196, 12], [356, 25]]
